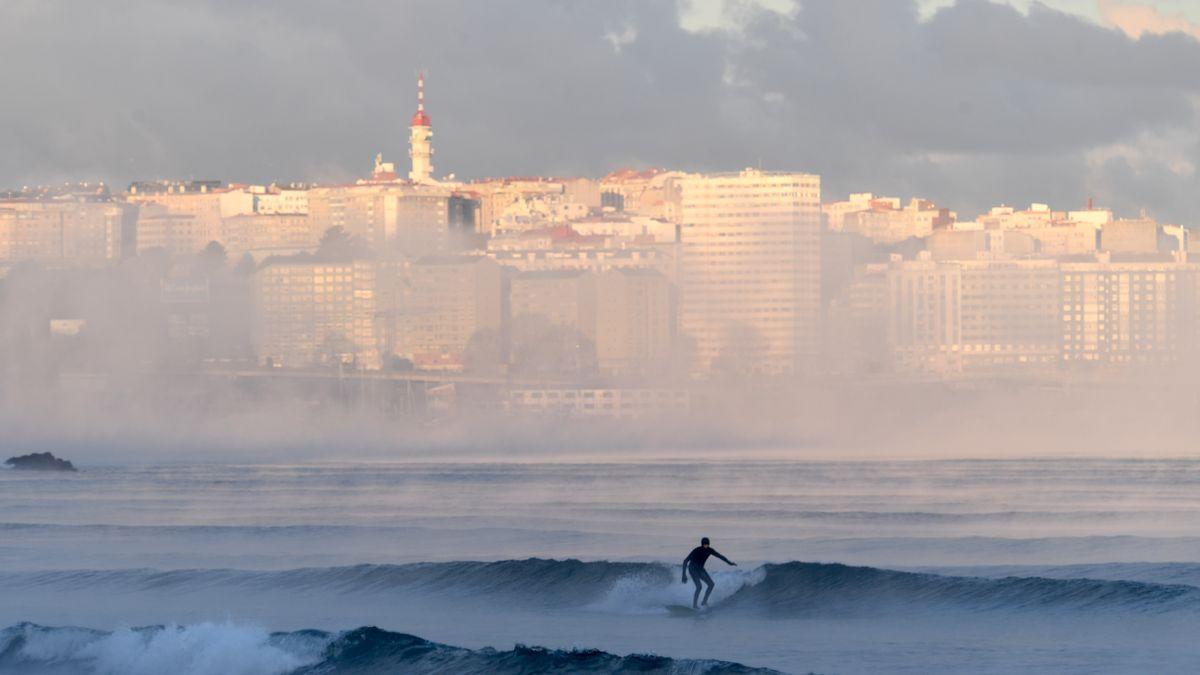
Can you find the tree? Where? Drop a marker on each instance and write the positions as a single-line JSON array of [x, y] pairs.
[[336, 349], [339, 245], [399, 364], [743, 350], [484, 353], [213, 257], [246, 266], [544, 349]]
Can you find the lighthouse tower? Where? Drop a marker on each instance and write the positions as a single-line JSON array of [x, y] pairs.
[[420, 139]]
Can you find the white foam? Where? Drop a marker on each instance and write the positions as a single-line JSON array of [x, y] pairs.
[[55, 644], [199, 649], [637, 594]]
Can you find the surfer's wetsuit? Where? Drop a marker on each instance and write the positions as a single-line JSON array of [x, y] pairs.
[[693, 564]]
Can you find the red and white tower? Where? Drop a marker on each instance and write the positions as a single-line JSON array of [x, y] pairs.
[[420, 143]]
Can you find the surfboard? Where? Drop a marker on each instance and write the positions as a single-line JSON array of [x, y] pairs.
[[685, 610]]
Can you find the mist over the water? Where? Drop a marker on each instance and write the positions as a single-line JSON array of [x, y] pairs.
[[1036, 564], [440, 336]]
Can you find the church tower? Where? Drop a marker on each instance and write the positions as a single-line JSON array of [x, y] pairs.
[[420, 139]]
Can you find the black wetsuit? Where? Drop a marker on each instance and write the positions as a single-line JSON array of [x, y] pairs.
[[694, 565]]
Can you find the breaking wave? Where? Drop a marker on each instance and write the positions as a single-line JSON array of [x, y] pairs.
[[788, 589], [231, 649]]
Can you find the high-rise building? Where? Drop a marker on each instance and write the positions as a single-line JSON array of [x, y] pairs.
[[634, 323], [751, 268], [1128, 312], [1038, 314], [391, 217], [924, 315], [625, 315], [1010, 314], [563, 298], [317, 313], [442, 303], [974, 316]]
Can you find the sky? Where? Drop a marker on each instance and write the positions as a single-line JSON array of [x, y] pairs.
[[969, 103], [1188, 9]]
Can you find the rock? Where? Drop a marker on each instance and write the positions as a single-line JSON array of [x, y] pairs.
[[39, 461]]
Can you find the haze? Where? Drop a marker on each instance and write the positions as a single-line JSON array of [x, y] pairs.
[[394, 336]]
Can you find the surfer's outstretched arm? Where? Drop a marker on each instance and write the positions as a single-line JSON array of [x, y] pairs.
[[685, 564], [727, 560]]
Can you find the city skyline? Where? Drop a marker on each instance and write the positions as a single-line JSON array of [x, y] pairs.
[[635, 89]]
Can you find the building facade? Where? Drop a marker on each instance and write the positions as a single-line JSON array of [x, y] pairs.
[[751, 265], [392, 218], [61, 232], [442, 303], [1128, 313], [314, 313], [635, 322]]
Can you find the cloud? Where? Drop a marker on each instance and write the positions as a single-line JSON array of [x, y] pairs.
[[1137, 19], [976, 104]]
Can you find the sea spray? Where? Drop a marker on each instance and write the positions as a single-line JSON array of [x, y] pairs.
[[199, 649]]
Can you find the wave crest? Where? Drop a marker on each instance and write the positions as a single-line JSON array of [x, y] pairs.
[[230, 649], [794, 588]]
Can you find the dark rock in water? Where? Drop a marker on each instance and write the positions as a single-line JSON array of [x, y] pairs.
[[39, 461]]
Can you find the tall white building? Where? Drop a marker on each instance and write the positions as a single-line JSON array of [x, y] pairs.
[[751, 269]]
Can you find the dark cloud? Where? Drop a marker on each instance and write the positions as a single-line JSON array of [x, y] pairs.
[[979, 104]]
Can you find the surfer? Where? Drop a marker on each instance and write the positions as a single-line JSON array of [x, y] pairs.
[[694, 563]]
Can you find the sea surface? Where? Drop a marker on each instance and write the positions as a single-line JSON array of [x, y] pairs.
[[1054, 566]]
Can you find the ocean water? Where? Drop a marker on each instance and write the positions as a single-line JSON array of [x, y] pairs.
[[844, 567]]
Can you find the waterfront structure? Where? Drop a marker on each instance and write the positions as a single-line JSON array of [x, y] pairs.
[[751, 267], [588, 402]]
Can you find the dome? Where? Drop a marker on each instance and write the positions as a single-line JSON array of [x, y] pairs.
[[420, 119]]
